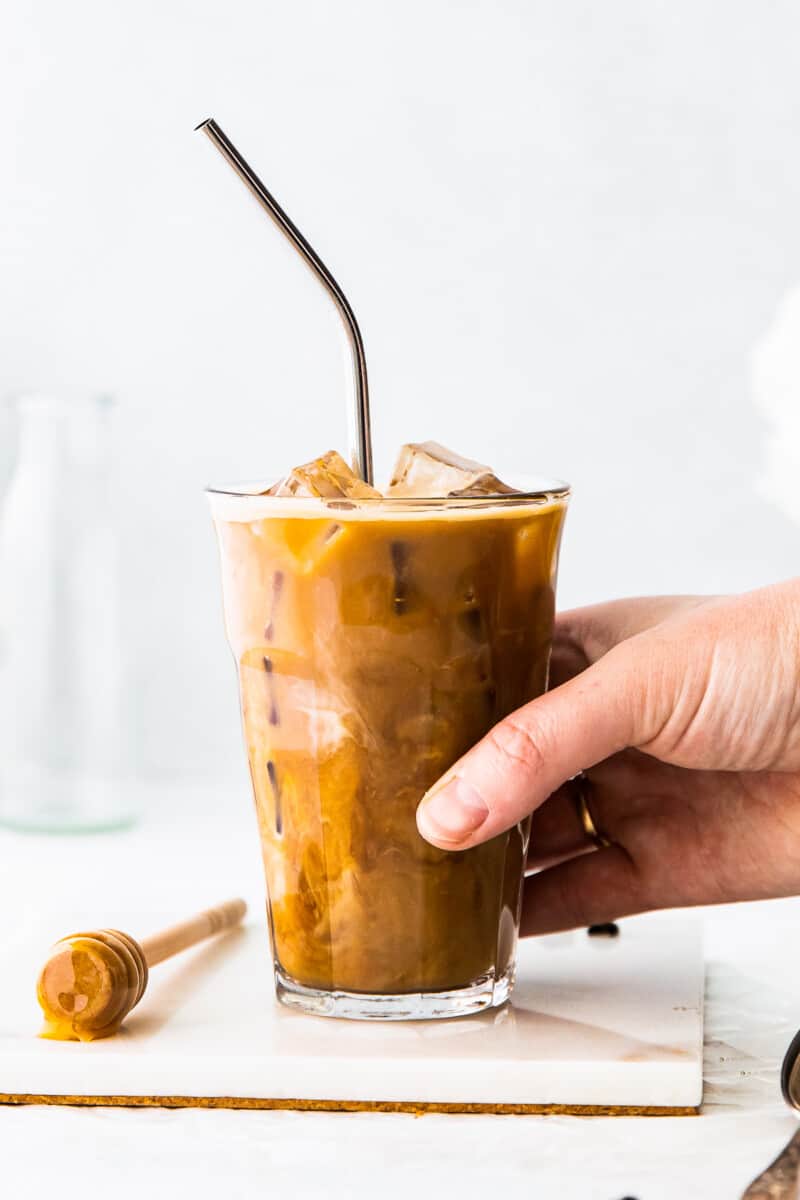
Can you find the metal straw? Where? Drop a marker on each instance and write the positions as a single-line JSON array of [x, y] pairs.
[[360, 436]]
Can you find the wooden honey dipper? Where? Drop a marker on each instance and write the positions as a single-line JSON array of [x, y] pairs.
[[91, 981]]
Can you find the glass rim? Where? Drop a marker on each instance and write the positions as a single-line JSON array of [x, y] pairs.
[[550, 490]]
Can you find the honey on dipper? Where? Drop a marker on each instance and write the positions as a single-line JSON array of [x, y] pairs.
[[89, 985]]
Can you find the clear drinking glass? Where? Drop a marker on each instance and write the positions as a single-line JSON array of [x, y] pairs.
[[376, 641], [60, 662]]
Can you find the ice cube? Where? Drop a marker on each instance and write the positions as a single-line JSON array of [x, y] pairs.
[[328, 477], [428, 469]]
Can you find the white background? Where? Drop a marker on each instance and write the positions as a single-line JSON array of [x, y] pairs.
[[570, 231]]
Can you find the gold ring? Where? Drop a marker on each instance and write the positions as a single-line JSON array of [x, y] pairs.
[[585, 817]]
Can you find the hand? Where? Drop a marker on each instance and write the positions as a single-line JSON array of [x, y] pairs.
[[685, 714]]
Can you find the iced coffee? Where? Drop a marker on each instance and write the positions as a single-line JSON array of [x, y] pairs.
[[377, 638]]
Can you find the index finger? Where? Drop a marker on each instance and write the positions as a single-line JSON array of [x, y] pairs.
[[583, 635]]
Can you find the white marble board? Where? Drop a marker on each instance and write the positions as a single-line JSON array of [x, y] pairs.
[[595, 1022]]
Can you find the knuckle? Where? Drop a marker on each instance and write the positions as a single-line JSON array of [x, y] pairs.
[[518, 743]]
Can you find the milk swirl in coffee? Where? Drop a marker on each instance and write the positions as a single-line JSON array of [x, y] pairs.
[[377, 638]]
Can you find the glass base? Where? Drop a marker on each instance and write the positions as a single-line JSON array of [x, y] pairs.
[[49, 822], [486, 992], [35, 798]]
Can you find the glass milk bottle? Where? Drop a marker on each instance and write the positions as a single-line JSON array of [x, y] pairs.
[[60, 647]]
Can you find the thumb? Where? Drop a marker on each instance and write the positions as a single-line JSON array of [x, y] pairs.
[[618, 702]]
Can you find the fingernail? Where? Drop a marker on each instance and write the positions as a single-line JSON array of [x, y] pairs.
[[452, 812]]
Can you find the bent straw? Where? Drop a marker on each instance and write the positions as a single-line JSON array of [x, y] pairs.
[[360, 434]]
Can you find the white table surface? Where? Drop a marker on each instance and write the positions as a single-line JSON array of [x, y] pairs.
[[752, 1009]]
